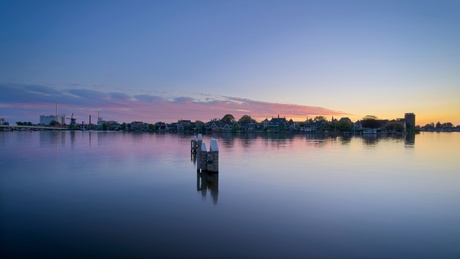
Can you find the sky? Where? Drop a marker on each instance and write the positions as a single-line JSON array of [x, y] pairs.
[[199, 60]]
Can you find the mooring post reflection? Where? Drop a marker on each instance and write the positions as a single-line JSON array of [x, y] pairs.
[[208, 181], [193, 158]]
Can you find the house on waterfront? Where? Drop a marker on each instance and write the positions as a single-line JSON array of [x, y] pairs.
[[214, 126], [265, 123], [357, 126], [161, 126], [292, 125], [185, 123], [227, 128], [182, 125], [316, 126], [394, 126], [137, 126], [278, 124], [199, 126]]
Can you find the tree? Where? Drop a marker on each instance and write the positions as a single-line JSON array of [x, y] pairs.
[[228, 119], [399, 128], [344, 126], [370, 121], [370, 117], [235, 128], [246, 119], [54, 123], [447, 125], [395, 127], [200, 126], [320, 119]]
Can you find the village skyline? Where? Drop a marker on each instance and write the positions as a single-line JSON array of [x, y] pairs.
[[246, 123]]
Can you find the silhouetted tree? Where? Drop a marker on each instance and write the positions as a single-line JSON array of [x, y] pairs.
[[370, 121], [344, 126], [228, 118], [246, 119], [320, 119], [235, 128], [447, 125]]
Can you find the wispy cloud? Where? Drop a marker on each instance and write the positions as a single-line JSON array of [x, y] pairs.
[[28, 102]]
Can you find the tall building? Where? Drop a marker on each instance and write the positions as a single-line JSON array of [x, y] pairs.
[[46, 120], [410, 120], [2, 121]]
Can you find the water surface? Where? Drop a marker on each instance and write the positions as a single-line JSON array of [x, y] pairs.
[[106, 194]]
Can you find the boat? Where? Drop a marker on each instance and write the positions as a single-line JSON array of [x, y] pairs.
[[369, 131]]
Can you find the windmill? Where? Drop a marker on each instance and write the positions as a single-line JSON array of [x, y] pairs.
[[72, 122]]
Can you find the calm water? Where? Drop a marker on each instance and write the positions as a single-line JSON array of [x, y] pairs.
[[96, 194]]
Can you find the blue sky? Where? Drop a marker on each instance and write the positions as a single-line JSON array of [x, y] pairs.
[[342, 58]]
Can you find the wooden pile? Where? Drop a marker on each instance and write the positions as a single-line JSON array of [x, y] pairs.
[[195, 143], [208, 161]]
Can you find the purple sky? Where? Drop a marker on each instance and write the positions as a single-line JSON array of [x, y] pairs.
[[160, 60], [32, 100]]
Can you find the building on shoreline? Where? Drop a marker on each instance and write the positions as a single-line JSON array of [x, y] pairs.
[[410, 120], [46, 120]]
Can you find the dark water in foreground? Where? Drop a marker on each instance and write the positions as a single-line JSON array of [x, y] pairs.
[[105, 195]]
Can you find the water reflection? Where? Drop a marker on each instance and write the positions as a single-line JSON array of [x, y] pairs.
[[317, 140], [277, 136], [281, 140], [370, 139], [345, 139], [72, 139], [409, 141], [193, 158], [53, 138], [373, 139], [320, 189], [208, 181]]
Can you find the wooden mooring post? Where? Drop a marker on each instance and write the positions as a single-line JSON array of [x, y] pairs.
[[208, 161], [195, 143]]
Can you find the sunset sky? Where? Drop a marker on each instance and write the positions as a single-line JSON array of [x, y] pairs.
[[167, 60]]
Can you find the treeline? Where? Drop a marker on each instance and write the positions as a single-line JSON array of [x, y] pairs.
[[440, 126]]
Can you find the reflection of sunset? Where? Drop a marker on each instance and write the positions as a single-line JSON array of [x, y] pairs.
[[134, 188]]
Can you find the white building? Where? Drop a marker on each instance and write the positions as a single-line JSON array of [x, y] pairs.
[[46, 120]]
